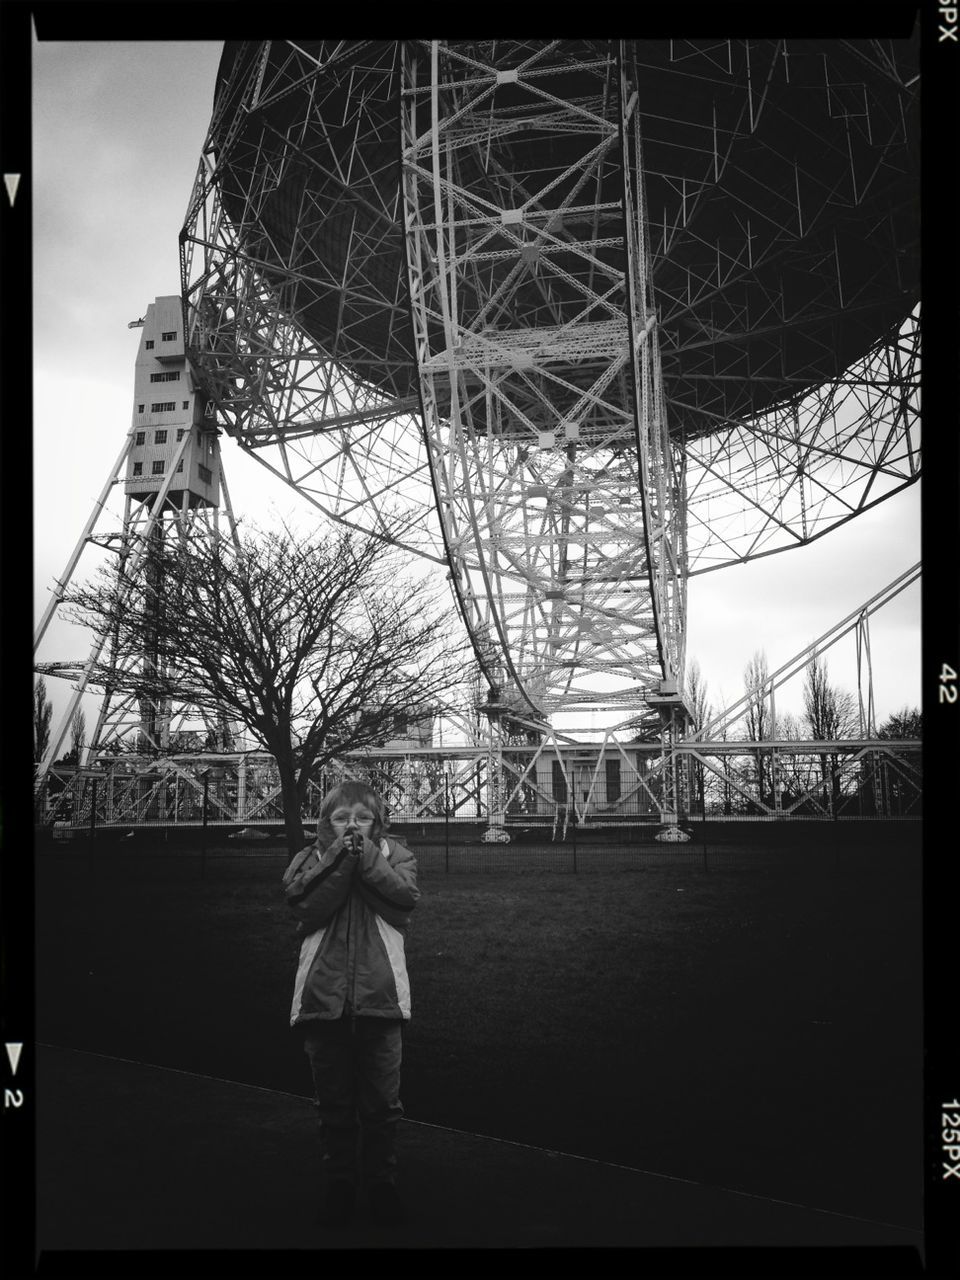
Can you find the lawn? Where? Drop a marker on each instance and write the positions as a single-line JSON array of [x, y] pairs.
[[756, 1025]]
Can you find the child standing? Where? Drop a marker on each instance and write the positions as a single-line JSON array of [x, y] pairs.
[[353, 891]]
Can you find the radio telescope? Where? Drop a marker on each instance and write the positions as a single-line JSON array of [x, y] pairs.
[[575, 320]]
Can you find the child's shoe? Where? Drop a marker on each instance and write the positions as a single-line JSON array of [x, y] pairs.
[[339, 1204], [386, 1207]]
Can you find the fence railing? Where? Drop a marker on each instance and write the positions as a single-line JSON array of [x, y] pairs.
[[516, 790], [879, 849]]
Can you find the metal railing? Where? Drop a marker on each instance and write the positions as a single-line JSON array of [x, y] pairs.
[[549, 791]]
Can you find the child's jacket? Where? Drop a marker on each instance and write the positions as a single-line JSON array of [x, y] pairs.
[[354, 908]]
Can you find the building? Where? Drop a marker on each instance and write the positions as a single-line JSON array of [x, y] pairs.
[[169, 431], [601, 783]]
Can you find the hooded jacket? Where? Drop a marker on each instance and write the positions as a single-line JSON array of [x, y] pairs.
[[354, 908]]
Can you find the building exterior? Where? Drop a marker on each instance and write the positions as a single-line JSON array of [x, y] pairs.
[[600, 782], [169, 431], [410, 735]]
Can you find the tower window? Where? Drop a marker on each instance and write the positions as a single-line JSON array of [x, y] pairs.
[[186, 404], [168, 336], [138, 468], [149, 344], [140, 437], [180, 465], [163, 406], [169, 375], [205, 474], [160, 437], [158, 467], [139, 408]]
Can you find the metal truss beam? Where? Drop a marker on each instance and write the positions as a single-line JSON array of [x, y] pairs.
[[551, 787], [854, 621], [125, 719], [528, 424], [578, 377]]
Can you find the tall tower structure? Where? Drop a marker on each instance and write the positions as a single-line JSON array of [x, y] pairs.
[[170, 448], [170, 436], [170, 474]]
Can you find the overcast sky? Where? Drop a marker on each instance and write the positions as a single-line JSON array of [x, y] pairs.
[[118, 130]]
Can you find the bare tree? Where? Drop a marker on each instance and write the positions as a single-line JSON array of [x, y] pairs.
[[78, 730], [798, 773], [831, 714], [887, 788], [315, 646], [696, 690], [700, 711], [789, 727], [755, 679], [723, 735], [905, 723], [42, 714]]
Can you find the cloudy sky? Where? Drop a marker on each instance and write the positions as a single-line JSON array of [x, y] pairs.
[[118, 130]]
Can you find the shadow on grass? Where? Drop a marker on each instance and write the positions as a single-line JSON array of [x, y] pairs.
[[756, 1027]]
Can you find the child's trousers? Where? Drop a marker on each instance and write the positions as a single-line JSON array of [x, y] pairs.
[[355, 1064]]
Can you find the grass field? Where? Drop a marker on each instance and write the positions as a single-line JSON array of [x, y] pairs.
[[756, 1025]]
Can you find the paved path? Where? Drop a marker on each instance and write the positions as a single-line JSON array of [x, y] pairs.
[[132, 1156]]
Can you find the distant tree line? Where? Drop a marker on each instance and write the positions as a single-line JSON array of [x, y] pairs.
[[830, 714], [42, 716]]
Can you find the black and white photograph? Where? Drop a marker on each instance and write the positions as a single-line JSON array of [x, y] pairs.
[[488, 699]]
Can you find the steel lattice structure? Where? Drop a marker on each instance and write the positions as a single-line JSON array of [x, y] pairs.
[[173, 489], [853, 779], [575, 319], [125, 716]]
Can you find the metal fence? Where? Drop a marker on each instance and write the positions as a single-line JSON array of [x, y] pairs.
[[513, 793], [880, 849]]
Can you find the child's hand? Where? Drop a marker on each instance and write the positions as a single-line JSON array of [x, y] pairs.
[[350, 840]]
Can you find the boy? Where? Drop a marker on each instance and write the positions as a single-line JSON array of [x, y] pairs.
[[353, 891]]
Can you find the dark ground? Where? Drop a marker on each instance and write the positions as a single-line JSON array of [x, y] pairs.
[[755, 1026]]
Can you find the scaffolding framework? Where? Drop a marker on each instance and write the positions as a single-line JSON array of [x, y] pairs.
[[622, 314], [170, 475], [549, 789], [526, 408]]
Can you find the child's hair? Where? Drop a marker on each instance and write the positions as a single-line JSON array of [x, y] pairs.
[[351, 792]]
